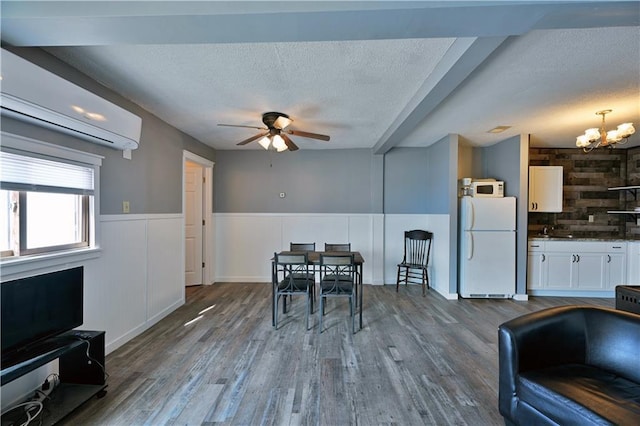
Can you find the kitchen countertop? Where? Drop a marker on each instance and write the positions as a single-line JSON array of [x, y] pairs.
[[567, 238]]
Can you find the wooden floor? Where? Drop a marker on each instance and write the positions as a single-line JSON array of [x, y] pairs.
[[417, 361]]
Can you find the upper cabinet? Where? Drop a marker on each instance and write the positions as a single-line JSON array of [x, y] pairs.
[[545, 188]]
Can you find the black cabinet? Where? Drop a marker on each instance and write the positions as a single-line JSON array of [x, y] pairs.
[[80, 357]]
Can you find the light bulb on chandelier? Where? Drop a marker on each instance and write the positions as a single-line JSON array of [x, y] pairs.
[[595, 138]]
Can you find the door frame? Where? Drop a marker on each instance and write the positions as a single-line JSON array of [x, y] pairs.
[[207, 232]]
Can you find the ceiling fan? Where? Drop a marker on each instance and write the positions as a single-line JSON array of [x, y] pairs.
[[276, 133]]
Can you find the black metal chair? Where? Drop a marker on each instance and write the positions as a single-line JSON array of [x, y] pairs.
[[337, 279], [292, 277], [330, 247], [305, 247], [415, 262]]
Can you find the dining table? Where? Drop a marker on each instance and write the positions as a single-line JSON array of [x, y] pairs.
[[314, 261]]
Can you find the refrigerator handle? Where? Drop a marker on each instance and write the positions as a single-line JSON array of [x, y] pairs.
[[469, 245]]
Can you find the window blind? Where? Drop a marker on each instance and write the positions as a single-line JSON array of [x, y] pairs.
[[24, 173]]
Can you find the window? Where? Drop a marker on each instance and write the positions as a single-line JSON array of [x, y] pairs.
[[46, 202]]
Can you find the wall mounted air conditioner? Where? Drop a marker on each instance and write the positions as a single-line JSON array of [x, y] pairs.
[[35, 95]]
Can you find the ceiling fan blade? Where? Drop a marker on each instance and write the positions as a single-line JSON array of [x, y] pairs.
[[287, 140], [252, 138], [248, 127], [308, 135]]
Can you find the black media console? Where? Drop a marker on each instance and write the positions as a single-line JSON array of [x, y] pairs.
[[80, 356]]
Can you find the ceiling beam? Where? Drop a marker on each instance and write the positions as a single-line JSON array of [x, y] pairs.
[[464, 56], [86, 23]]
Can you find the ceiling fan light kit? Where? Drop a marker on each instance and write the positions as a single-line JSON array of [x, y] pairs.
[[600, 137], [274, 136]]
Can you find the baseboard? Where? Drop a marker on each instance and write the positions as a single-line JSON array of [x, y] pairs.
[[521, 297], [573, 293]]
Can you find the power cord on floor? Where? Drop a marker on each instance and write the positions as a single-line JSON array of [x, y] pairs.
[[92, 359], [29, 406], [33, 407]]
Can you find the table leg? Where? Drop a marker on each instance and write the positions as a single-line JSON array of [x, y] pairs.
[[360, 295], [273, 294]]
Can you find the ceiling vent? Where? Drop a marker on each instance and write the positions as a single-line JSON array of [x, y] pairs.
[[35, 95]]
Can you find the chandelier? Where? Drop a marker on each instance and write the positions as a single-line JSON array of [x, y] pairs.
[[595, 138]]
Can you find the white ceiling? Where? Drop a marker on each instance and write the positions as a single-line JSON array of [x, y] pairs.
[[370, 74]]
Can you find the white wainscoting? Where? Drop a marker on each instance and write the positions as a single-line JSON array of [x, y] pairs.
[[245, 242], [139, 278]]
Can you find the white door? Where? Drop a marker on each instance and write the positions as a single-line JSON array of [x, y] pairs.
[[193, 224]]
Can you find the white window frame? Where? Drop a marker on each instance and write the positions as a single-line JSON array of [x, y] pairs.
[[12, 267]]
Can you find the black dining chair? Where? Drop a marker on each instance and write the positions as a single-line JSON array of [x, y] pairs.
[[340, 247], [415, 261], [292, 277], [312, 272], [337, 279]]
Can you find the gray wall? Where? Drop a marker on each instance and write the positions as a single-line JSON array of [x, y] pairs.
[[406, 174], [508, 161], [314, 181], [152, 180], [500, 161], [418, 180]]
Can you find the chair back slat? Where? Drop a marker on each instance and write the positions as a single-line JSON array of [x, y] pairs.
[[292, 259], [302, 246], [337, 247]]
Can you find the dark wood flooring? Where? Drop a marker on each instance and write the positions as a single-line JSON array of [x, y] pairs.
[[417, 361]]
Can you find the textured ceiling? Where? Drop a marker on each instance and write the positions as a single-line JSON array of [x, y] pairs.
[[370, 74]]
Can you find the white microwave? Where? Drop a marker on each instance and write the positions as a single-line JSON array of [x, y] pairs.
[[487, 189]]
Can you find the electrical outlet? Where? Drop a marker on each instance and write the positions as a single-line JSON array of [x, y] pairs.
[[125, 207], [591, 218]]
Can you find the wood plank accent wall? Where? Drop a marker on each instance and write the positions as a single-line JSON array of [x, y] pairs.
[[587, 177]]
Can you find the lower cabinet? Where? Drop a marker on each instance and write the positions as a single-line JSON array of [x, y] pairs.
[[576, 265]]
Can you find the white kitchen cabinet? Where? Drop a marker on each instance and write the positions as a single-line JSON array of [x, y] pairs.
[[560, 270], [545, 188], [537, 262], [576, 265], [633, 263], [616, 270]]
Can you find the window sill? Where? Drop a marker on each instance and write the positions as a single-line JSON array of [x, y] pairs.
[[13, 268]]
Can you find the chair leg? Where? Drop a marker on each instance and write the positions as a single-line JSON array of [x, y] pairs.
[[321, 310], [309, 303], [398, 280], [353, 313], [275, 312]]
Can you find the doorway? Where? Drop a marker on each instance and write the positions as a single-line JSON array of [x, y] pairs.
[[197, 208]]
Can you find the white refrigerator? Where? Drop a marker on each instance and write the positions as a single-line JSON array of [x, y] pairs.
[[487, 247]]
